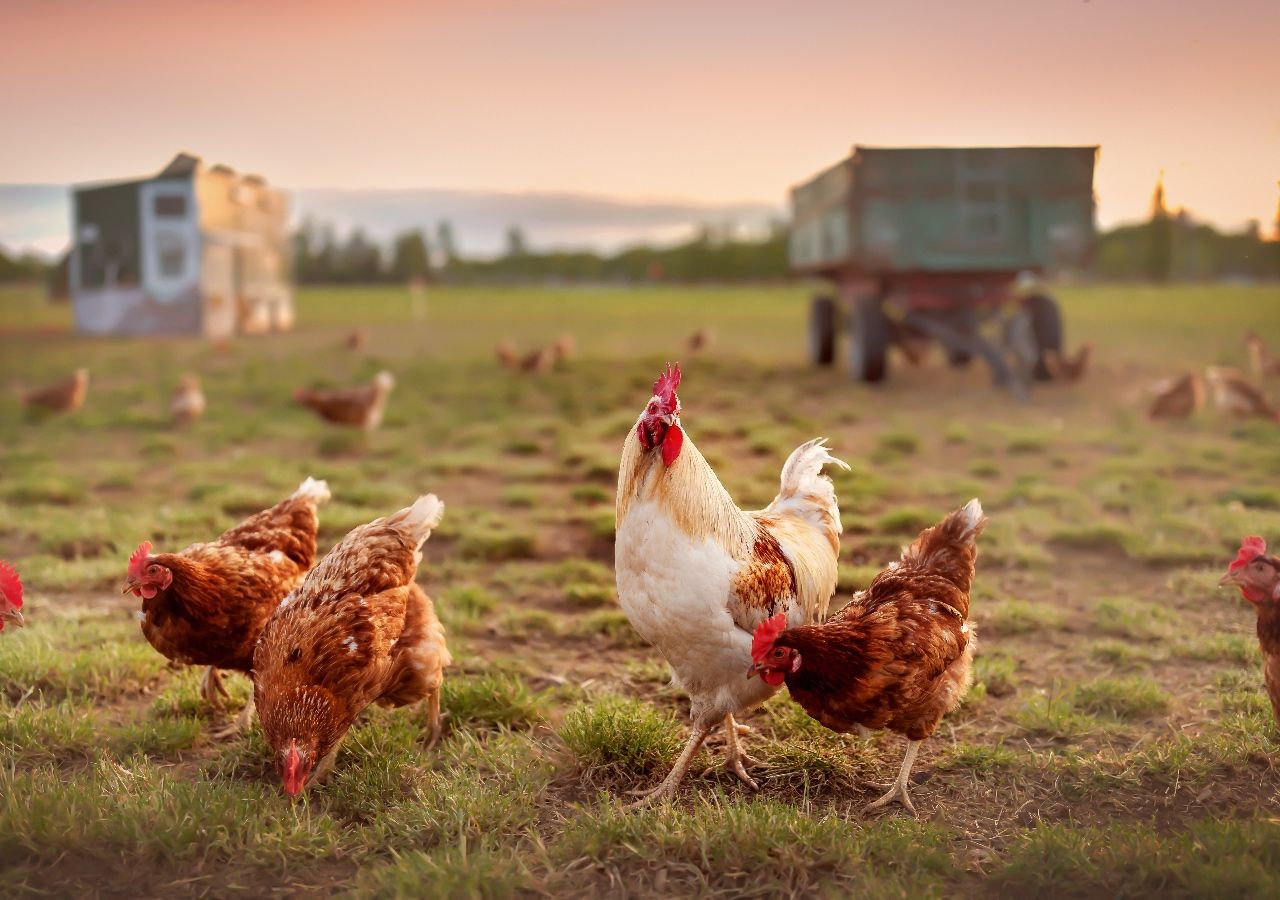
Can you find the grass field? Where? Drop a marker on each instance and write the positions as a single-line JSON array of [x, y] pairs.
[[1117, 742]]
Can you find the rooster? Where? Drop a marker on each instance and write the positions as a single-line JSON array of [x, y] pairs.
[[1068, 368], [696, 575], [898, 656], [10, 596], [357, 631], [1261, 362], [187, 402], [361, 407], [66, 395], [1234, 393], [1257, 576], [1178, 398], [206, 605]]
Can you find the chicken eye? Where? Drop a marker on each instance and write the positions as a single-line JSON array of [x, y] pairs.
[[153, 570], [778, 651]]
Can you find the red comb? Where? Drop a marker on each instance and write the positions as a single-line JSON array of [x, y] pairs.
[[766, 634], [137, 562], [1250, 549], [10, 585], [665, 387]]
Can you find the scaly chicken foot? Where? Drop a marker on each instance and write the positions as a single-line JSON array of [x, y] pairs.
[[669, 784], [239, 724], [735, 758], [213, 690], [899, 789]]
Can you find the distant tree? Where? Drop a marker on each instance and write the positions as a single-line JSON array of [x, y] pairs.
[[1159, 255], [517, 248], [410, 257], [445, 243], [360, 260]]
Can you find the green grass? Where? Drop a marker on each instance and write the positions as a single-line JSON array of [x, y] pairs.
[[1113, 744]]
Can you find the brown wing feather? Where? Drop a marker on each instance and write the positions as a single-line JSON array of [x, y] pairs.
[[766, 583]]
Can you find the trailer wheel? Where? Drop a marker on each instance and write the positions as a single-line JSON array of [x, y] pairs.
[[1046, 326], [959, 359], [868, 340], [822, 331]]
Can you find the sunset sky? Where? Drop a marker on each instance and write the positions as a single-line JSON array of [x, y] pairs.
[[704, 100]]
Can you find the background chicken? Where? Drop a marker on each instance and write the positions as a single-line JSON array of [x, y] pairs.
[[1068, 368], [66, 395], [898, 656], [1261, 362], [506, 353], [696, 575], [361, 407], [701, 340], [1178, 399], [10, 596], [1257, 576], [1234, 393], [357, 339], [540, 360], [357, 631], [187, 402], [206, 605], [565, 348]]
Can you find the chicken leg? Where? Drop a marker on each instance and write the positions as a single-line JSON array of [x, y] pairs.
[[735, 758], [435, 721], [239, 724], [213, 690], [898, 791], [677, 773]]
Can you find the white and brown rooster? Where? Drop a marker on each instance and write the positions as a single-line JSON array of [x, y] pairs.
[[697, 576]]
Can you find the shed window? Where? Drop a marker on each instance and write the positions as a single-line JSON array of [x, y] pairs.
[[169, 206]]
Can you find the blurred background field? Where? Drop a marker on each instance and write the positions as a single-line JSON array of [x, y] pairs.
[[1117, 741]]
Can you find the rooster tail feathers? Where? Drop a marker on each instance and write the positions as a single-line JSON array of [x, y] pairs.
[[949, 548], [802, 472], [313, 490]]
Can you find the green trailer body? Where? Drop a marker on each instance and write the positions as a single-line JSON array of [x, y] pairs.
[[946, 211]]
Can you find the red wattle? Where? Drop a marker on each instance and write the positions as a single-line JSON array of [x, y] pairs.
[[671, 445], [773, 677]]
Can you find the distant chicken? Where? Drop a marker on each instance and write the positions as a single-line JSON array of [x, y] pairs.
[[1178, 398], [696, 574], [357, 339], [10, 596], [357, 631], [564, 348], [507, 355], [360, 407], [1261, 362], [1257, 576], [187, 402], [539, 361], [1068, 368], [206, 605], [898, 656], [66, 395], [701, 340], [1234, 393]]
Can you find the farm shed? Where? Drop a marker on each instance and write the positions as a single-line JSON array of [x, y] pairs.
[[190, 250]]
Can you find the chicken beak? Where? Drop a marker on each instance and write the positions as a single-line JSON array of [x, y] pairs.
[[753, 670], [1228, 578], [14, 615], [129, 585]]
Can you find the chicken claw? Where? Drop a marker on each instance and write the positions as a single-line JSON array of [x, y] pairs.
[[735, 758], [899, 789], [667, 788], [213, 690], [241, 723]]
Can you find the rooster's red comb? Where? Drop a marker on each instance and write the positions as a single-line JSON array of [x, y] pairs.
[[10, 585], [138, 561], [665, 387], [766, 634], [1250, 549]]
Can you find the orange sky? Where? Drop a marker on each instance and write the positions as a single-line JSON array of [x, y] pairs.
[[697, 99]]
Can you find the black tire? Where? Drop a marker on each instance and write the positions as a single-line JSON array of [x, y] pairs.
[[822, 331], [1046, 325], [868, 340], [959, 359]]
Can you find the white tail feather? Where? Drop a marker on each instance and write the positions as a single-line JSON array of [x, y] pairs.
[[314, 490], [802, 475], [420, 518]]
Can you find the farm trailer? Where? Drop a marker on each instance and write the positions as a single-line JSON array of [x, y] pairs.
[[935, 244]]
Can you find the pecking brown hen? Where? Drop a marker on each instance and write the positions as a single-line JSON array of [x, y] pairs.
[[357, 631], [359, 407], [1257, 576], [66, 395], [1179, 398]]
